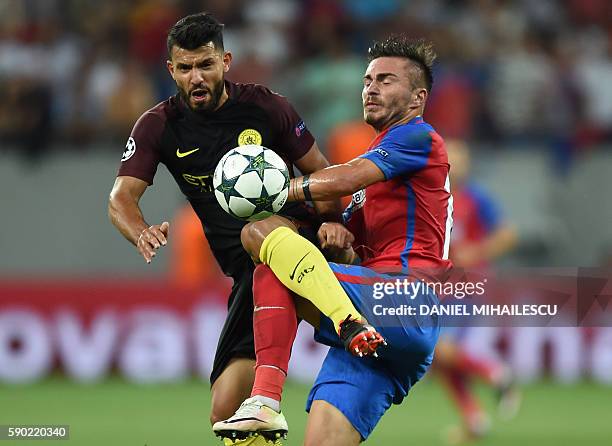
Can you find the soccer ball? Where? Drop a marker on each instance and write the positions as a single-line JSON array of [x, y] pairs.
[[251, 182]]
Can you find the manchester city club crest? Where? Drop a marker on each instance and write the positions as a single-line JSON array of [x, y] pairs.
[[249, 137]]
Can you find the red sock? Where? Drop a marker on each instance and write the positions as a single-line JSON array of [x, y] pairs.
[[275, 327], [488, 370], [468, 405]]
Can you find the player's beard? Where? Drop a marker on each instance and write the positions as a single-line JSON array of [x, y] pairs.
[[374, 122], [215, 96], [387, 115], [374, 119]]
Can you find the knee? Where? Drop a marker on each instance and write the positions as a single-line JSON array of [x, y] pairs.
[[254, 233], [331, 440], [310, 442], [312, 439], [327, 426], [317, 440], [249, 236]]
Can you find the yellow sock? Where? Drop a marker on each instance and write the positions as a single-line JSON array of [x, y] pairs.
[[301, 267]]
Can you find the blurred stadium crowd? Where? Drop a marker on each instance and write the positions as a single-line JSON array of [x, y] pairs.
[[82, 71]]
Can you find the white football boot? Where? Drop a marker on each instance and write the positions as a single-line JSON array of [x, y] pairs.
[[252, 418]]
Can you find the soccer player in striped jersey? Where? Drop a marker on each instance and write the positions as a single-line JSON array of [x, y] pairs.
[[401, 218]]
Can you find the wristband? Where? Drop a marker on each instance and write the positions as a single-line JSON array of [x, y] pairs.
[[306, 187]]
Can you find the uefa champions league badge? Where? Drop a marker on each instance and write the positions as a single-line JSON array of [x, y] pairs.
[[130, 149]]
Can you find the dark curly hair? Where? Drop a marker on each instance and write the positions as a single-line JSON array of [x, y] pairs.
[[195, 30], [419, 51]]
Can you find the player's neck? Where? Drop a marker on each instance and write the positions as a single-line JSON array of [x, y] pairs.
[[222, 99], [407, 118]]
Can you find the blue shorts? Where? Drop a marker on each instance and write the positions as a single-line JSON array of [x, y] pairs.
[[364, 388]]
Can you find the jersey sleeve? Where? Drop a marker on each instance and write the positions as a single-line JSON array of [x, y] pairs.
[[292, 137], [403, 150], [141, 155], [489, 212]]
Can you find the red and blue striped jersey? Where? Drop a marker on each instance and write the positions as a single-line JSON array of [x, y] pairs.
[[404, 222], [476, 216]]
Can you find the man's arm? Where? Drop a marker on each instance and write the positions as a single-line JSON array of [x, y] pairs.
[[402, 151], [333, 237], [124, 212], [312, 161], [499, 242], [337, 181]]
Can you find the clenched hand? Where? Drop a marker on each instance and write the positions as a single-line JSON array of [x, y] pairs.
[[151, 239], [334, 235]]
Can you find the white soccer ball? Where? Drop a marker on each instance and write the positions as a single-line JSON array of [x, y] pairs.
[[251, 182]]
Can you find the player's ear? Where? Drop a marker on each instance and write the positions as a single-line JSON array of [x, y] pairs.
[[170, 67], [227, 61], [420, 97]]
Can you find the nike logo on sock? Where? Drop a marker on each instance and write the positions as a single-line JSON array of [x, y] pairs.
[[256, 309], [292, 275]]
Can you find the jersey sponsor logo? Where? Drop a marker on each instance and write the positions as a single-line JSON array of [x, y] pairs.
[[358, 199], [130, 149], [300, 128], [189, 152], [204, 182], [249, 137], [357, 202]]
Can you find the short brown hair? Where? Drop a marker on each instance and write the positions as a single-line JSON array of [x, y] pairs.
[[195, 30], [418, 51]]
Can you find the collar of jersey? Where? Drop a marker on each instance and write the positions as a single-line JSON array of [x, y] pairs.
[[416, 120]]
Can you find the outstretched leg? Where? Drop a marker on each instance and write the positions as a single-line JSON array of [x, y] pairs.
[[456, 367], [275, 320], [298, 264], [302, 268]]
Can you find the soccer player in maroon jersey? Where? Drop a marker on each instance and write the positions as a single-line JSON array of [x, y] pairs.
[[189, 133]]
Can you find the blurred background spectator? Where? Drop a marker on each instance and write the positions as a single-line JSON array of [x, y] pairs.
[[508, 71], [527, 84]]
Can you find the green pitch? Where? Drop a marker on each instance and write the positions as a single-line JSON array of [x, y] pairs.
[[118, 413]]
